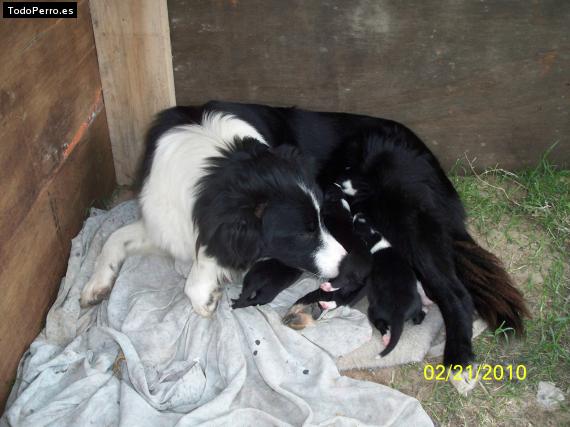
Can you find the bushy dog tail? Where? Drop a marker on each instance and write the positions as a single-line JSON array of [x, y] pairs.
[[494, 294]]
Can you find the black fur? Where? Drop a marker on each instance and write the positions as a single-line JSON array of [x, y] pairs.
[[391, 288], [264, 281], [384, 276], [407, 197], [241, 203]]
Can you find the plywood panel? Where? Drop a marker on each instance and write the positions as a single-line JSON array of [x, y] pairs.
[[55, 159], [86, 178], [49, 86], [487, 78], [133, 43], [35, 257]]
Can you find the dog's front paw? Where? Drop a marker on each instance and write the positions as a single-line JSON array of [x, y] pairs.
[[97, 289], [204, 304], [463, 380]]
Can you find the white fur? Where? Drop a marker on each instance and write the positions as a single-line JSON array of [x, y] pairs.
[[166, 201], [329, 255], [128, 240], [345, 204], [426, 302], [202, 284], [382, 244], [167, 198], [347, 188]]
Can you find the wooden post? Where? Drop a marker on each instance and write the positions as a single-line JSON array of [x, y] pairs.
[[135, 62]]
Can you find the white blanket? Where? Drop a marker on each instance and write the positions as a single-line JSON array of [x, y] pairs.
[[143, 358]]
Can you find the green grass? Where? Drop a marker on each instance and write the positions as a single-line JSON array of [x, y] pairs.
[[525, 219], [541, 193]]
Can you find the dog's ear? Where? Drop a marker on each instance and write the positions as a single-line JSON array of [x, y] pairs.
[[306, 163], [237, 241]]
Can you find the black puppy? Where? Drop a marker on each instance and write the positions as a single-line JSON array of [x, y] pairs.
[[355, 267], [372, 268], [392, 287], [264, 281], [267, 278], [383, 275]]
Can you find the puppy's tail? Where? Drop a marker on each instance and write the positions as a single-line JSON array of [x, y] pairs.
[[396, 328], [494, 294]]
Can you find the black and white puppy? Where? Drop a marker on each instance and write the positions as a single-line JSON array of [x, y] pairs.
[[215, 193], [392, 287]]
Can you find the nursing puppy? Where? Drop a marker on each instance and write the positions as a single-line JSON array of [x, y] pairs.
[[263, 282], [392, 287], [215, 193], [354, 270], [372, 268], [267, 278]]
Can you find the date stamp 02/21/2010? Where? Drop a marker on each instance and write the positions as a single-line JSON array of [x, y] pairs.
[[483, 372]]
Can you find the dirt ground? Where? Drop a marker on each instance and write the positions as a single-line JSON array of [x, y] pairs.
[[541, 271]]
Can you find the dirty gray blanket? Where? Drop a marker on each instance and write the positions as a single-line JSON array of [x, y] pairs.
[[143, 358]]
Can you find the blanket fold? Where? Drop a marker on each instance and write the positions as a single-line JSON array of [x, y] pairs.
[[144, 358]]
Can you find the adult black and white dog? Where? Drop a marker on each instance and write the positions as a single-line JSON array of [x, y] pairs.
[[217, 194], [227, 184]]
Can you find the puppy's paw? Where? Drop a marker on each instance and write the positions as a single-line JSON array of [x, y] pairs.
[[301, 315], [327, 305], [237, 303], [327, 287], [386, 339], [97, 289]]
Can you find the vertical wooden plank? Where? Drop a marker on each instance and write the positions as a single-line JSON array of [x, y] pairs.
[[135, 63]]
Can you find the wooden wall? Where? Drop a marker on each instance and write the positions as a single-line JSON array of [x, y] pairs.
[[133, 47], [55, 161], [488, 78]]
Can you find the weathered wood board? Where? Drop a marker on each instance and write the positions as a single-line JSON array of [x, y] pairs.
[[490, 79], [133, 46], [55, 161]]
